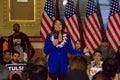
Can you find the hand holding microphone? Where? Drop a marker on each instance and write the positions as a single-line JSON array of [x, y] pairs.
[[58, 38]]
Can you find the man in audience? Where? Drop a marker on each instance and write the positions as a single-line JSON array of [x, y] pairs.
[[107, 52], [15, 57], [22, 39], [6, 57]]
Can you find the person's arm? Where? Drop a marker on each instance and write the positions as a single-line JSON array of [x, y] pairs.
[[48, 46], [73, 51], [27, 41], [30, 49]]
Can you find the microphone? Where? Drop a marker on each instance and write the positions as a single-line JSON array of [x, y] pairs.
[[56, 34]]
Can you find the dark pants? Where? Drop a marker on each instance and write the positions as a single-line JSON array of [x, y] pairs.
[[59, 75]]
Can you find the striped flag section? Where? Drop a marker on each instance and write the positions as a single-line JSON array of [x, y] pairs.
[[48, 17], [92, 28], [113, 27], [71, 21]]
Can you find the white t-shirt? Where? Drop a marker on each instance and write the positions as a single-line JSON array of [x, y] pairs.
[[96, 67]]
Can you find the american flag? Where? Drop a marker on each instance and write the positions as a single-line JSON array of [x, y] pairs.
[[113, 27], [48, 17], [92, 28], [71, 21]]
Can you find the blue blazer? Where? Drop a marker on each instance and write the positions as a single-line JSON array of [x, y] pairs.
[[58, 55]]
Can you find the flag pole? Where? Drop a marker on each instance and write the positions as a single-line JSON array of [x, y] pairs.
[[100, 19], [79, 20], [57, 9]]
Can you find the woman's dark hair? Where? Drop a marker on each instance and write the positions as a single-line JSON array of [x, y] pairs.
[[101, 76], [63, 25], [96, 52], [78, 62], [110, 67], [81, 43]]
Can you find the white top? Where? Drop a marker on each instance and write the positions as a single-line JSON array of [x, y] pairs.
[[95, 67]]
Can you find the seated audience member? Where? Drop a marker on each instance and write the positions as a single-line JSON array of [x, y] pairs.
[[101, 76], [3, 46], [35, 72], [107, 52], [95, 64], [15, 57], [4, 72], [77, 69], [23, 55], [79, 46], [118, 59], [6, 57], [110, 67]]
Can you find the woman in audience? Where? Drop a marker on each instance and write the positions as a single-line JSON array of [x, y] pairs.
[[96, 63], [57, 45], [77, 69], [78, 62], [110, 67], [79, 46], [101, 76]]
